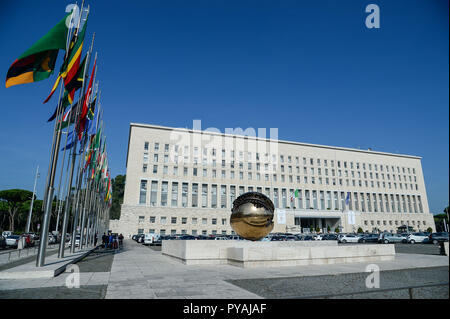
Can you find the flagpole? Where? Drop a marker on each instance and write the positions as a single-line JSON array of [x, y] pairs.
[[60, 179], [32, 201]]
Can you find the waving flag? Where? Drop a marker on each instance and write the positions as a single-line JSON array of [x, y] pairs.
[[84, 110], [38, 62]]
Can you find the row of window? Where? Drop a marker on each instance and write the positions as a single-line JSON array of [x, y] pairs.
[[281, 197], [184, 220], [311, 171], [177, 151], [413, 222], [290, 178]]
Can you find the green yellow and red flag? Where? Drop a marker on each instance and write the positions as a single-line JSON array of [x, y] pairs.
[[38, 62]]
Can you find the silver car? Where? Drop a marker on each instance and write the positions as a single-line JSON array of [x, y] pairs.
[[393, 238]]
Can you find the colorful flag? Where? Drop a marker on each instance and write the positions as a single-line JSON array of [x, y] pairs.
[[38, 62], [70, 68], [84, 110], [347, 200], [70, 141]]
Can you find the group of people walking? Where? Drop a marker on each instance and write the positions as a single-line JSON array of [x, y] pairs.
[[112, 241]]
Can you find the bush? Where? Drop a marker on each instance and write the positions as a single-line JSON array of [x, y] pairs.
[[429, 230], [336, 230], [317, 229], [328, 228], [360, 230]]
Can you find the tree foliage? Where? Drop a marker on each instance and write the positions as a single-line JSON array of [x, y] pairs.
[[118, 185], [14, 200]]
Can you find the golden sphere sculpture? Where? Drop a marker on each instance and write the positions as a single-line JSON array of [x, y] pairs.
[[252, 216]]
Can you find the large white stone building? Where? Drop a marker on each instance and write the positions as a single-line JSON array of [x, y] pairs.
[[182, 181]]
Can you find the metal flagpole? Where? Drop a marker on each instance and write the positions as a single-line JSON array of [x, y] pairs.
[[51, 178], [32, 200], [60, 179]]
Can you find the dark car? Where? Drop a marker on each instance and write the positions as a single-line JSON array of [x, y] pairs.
[[436, 238], [187, 237], [330, 237], [370, 238], [278, 238], [308, 237]]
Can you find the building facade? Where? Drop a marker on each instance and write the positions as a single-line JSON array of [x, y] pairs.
[[182, 181]]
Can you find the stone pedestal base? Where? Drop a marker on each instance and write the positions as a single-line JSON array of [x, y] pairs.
[[273, 254]]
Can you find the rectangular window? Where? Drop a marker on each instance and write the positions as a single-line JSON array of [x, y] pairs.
[[144, 168], [275, 197], [174, 194], [241, 190], [232, 194], [194, 220], [322, 200], [204, 195], [154, 193], [152, 219], [307, 199], [283, 197], [214, 196], [184, 220], [223, 196], [173, 220], [194, 195], [143, 193], [164, 191]]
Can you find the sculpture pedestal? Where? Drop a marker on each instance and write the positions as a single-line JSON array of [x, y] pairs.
[[273, 254]]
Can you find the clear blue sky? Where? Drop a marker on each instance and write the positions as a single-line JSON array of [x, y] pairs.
[[310, 68]]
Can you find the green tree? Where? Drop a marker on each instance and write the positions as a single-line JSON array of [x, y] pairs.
[[118, 186], [429, 230], [336, 230], [14, 200], [360, 230]]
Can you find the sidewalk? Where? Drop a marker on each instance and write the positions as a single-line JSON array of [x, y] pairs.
[[53, 266], [138, 272]]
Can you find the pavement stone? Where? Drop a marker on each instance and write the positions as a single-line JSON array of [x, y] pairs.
[[138, 271]]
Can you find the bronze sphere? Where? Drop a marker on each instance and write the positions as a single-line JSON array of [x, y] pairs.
[[252, 216]]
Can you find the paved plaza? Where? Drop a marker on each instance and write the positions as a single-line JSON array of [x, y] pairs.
[[140, 272]]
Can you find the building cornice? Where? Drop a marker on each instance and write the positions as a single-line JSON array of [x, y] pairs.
[[151, 126]]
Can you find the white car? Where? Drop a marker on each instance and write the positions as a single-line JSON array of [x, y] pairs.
[[318, 237], [12, 240], [348, 238], [416, 238], [150, 238]]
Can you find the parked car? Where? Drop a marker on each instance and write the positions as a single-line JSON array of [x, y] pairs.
[[369, 238], [7, 233], [330, 237], [51, 239], [436, 238], [77, 241], [416, 238], [140, 238], [187, 237], [12, 241], [2, 242], [150, 238], [308, 237], [393, 238], [348, 238]]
